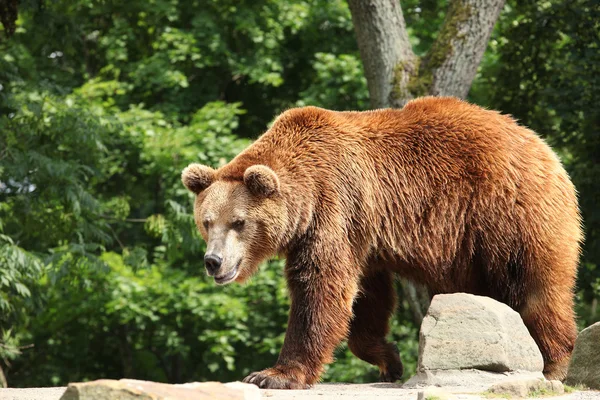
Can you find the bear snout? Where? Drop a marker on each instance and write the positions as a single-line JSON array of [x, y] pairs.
[[212, 263]]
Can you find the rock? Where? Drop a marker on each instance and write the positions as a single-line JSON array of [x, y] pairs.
[[557, 387], [464, 331], [466, 380], [584, 368], [434, 393], [511, 388], [528, 387], [251, 392], [474, 341], [129, 389]]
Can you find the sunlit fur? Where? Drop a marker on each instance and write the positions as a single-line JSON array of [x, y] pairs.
[[442, 192]]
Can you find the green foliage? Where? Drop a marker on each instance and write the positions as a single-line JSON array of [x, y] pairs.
[[19, 274], [159, 323], [577, 388], [338, 84]]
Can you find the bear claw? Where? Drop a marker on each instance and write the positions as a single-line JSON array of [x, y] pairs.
[[395, 369], [273, 379], [392, 375]]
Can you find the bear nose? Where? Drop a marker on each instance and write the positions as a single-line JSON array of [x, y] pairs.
[[212, 263]]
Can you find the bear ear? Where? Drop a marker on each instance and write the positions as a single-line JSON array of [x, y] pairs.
[[261, 180], [197, 177]]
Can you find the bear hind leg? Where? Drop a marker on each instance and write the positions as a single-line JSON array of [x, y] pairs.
[[550, 318], [372, 310]]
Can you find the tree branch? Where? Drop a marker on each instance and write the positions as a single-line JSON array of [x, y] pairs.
[[140, 220], [3, 381], [451, 64], [384, 45]]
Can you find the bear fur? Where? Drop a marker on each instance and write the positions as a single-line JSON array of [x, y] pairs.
[[441, 192]]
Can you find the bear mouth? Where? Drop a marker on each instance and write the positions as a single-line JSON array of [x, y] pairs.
[[230, 276]]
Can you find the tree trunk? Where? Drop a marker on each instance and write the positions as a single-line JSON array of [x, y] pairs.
[[396, 75], [454, 57], [126, 352], [3, 381], [384, 45], [418, 299]]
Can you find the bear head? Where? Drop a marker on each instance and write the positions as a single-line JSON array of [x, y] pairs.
[[242, 221]]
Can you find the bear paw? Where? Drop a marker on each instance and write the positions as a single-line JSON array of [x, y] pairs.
[[556, 370], [392, 374], [275, 378], [394, 369]]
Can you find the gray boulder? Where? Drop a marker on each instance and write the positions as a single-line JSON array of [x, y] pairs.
[[470, 341], [584, 368], [464, 331]]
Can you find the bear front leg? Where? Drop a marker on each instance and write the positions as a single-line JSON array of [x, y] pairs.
[[320, 313], [373, 308]]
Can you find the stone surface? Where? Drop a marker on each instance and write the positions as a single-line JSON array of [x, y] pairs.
[[435, 393], [528, 388], [470, 380], [557, 387], [464, 331], [584, 368], [129, 389], [366, 391], [46, 393]]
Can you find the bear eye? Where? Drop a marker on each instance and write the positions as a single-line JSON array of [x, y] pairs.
[[238, 224], [206, 223]]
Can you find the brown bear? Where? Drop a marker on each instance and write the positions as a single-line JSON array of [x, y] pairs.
[[441, 192]]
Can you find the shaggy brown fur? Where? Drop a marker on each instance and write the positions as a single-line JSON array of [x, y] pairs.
[[442, 192]]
